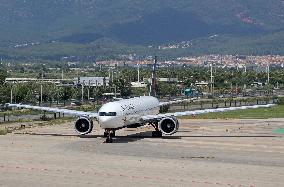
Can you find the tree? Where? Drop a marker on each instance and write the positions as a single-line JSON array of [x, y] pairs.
[[3, 76], [5, 93], [123, 86]]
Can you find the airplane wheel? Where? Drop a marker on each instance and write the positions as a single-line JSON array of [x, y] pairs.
[[109, 140], [105, 134], [112, 134]]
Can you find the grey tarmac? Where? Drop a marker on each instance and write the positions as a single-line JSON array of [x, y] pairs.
[[236, 153]]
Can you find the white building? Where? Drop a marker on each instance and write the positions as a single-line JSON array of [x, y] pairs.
[[92, 81]]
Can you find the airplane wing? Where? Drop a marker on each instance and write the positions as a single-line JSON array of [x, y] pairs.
[[59, 110], [196, 112], [175, 101]]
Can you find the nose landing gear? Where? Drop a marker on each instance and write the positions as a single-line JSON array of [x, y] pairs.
[[109, 134]]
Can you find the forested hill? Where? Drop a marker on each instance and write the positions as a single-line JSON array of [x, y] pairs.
[[139, 22]]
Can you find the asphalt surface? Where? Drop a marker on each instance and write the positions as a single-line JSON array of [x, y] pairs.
[[203, 153]]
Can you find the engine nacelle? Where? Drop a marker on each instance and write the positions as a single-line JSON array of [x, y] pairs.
[[83, 125], [168, 125]]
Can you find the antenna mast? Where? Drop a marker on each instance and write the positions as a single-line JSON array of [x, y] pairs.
[[154, 78]]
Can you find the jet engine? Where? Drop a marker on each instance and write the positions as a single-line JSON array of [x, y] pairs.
[[83, 125], [169, 125]]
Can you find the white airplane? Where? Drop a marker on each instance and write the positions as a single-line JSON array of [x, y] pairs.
[[131, 113]]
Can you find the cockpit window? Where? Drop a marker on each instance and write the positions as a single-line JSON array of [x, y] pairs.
[[107, 114]]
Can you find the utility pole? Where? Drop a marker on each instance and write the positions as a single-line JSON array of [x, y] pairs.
[[41, 89], [89, 91], [82, 91], [245, 71], [41, 94], [138, 73], [11, 95], [62, 75], [211, 77], [112, 76], [268, 74], [109, 74], [153, 86]]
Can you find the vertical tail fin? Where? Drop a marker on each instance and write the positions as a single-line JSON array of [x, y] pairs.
[[153, 85]]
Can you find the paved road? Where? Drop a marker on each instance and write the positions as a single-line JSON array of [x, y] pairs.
[[203, 153]]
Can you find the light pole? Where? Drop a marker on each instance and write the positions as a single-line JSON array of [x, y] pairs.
[[268, 74], [41, 94], [62, 74], [11, 95], [41, 88], [138, 73], [89, 86], [245, 76], [82, 91], [211, 79]]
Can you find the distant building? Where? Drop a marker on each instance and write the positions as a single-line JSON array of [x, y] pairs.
[[201, 84], [92, 81], [24, 80], [257, 84], [138, 85], [169, 80]]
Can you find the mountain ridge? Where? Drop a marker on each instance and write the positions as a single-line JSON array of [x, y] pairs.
[[137, 23]]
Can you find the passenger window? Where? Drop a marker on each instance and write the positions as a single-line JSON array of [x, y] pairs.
[[111, 114], [107, 114], [102, 114]]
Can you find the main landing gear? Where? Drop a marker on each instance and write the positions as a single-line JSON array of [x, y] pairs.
[[109, 134], [157, 133]]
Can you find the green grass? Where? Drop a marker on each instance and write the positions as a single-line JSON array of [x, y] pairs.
[[278, 131], [3, 132], [261, 113]]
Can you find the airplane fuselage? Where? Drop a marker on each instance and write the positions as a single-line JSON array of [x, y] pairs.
[[126, 112]]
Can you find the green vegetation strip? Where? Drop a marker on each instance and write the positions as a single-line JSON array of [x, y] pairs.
[[260, 113], [278, 131], [3, 132]]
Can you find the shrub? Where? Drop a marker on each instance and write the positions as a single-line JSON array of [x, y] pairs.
[[3, 131], [281, 100]]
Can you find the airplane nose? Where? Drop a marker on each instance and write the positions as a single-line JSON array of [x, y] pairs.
[[104, 122], [102, 119]]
